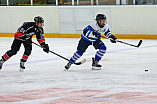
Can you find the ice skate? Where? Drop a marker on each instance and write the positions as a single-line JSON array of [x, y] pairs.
[[95, 65], [68, 66], [1, 63], [22, 66]]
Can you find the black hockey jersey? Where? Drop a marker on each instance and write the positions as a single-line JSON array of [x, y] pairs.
[[27, 30]]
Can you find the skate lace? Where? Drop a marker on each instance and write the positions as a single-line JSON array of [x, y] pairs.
[[22, 63], [1, 62], [96, 62], [68, 65]]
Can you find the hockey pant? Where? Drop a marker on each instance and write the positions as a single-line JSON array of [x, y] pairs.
[[16, 47]]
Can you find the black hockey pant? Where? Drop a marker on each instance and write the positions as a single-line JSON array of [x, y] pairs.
[[16, 47]]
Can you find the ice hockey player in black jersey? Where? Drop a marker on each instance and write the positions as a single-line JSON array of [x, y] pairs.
[[91, 36], [23, 36]]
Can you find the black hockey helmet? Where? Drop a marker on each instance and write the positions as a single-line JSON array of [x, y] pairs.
[[99, 17], [39, 19]]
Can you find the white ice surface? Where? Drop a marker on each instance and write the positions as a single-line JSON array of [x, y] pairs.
[[123, 73]]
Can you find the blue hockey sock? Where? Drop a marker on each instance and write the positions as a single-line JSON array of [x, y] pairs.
[[100, 53], [76, 56]]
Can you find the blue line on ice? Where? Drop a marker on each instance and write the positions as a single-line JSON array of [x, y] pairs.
[[86, 55]]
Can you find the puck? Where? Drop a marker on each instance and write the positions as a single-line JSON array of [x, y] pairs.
[[146, 70]]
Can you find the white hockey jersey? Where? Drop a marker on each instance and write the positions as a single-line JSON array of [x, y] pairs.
[[88, 31]]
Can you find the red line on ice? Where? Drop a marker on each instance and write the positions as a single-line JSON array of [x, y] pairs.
[[71, 96], [30, 95]]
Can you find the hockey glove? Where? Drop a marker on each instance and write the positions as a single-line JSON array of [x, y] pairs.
[[45, 48], [113, 38], [97, 34]]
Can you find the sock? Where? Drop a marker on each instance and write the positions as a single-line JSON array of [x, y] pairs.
[[99, 54], [76, 56]]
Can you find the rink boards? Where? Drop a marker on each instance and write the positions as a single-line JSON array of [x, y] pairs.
[[119, 36]]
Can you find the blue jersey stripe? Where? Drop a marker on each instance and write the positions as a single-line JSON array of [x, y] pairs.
[[107, 30], [89, 28], [85, 38], [89, 33]]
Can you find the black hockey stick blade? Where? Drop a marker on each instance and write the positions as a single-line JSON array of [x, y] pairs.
[[81, 62], [139, 44]]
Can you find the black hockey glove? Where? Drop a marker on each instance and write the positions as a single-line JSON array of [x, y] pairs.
[[113, 38], [97, 34], [45, 48]]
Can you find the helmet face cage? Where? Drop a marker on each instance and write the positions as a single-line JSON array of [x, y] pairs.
[[100, 17], [99, 21], [38, 20]]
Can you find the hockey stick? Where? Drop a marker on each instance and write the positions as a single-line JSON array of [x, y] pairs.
[[139, 43], [78, 63]]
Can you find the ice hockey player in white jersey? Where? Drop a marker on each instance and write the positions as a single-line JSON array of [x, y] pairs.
[[91, 36]]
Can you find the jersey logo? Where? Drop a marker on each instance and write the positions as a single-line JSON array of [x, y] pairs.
[[101, 30]]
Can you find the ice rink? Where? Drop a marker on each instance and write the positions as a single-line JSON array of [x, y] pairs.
[[122, 80]]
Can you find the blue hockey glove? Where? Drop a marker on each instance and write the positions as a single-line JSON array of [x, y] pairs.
[[113, 38], [97, 34]]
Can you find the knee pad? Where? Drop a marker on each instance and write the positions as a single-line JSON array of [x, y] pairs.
[[103, 47]]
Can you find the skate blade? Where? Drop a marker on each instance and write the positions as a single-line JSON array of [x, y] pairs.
[[21, 70], [96, 68], [65, 69]]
